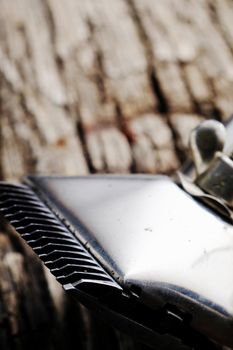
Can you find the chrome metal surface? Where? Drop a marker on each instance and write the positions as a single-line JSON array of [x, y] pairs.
[[154, 239], [205, 140], [210, 200], [218, 179], [214, 169], [189, 169]]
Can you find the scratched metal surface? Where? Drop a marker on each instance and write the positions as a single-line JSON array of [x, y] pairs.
[[148, 233]]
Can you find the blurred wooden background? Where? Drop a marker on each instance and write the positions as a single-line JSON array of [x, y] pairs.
[[98, 86]]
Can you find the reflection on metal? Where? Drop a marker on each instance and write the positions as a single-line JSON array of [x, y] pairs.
[[205, 140], [214, 169], [218, 179], [217, 204]]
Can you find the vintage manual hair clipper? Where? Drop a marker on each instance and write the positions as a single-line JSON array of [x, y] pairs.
[[152, 255]]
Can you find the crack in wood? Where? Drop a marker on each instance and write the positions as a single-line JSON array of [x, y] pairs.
[[160, 98]]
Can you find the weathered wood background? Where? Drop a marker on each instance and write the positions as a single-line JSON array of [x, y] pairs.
[[98, 86]]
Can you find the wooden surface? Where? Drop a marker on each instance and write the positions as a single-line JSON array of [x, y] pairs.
[[98, 86]]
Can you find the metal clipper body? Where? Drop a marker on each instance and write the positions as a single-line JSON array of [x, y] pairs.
[[150, 254]]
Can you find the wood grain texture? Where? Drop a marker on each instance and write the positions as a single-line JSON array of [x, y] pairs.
[[98, 86]]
